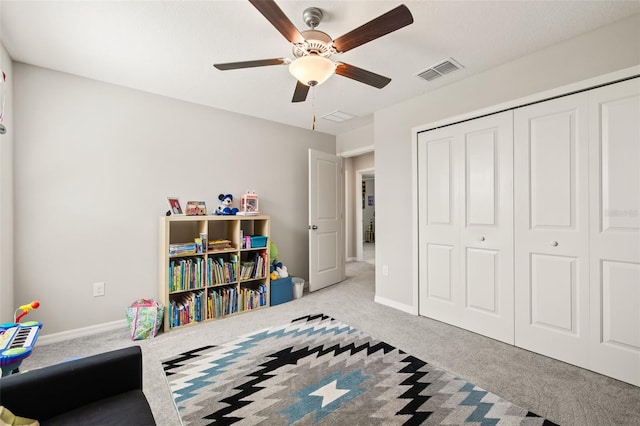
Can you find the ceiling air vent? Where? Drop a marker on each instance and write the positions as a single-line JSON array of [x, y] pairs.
[[338, 116], [440, 69]]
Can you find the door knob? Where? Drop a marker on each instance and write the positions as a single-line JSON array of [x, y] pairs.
[[554, 243], [481, 238], [313, 227]]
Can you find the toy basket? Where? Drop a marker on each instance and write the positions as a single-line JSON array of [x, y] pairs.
[[144, 317]]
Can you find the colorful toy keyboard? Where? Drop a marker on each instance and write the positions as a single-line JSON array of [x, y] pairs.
[[16, 344]]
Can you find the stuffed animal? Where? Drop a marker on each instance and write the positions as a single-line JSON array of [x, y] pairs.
[[273, 253], [282, 271], [278, 270], [275, 265], [225, 205]]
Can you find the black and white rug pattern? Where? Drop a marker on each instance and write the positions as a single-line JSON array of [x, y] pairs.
[[317, 370]]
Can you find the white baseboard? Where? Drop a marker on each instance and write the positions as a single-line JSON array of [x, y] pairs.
[[395, 305], [48, 339]]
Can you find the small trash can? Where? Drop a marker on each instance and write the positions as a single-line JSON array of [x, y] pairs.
[[298, 287]]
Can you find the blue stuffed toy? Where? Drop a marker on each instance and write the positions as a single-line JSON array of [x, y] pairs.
[[225, 205]]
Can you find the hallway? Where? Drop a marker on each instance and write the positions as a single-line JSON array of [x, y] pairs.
[[369, 253]]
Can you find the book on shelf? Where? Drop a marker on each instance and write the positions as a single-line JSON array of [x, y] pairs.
[[220, 245], [182, 249], [223, 301], [252, 299], [204, 237], [186, 308], [221, 271], [187, 274], [254, 266], [246, 270]]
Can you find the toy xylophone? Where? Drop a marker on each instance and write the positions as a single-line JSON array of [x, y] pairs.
[[16, 344]]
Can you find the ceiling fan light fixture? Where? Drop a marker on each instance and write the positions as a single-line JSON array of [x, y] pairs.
[[312, 70]]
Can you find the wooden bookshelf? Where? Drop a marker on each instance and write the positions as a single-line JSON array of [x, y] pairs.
[[220, 276]]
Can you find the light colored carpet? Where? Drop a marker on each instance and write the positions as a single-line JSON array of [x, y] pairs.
[[369, 253], [318, 370], [562, 393]]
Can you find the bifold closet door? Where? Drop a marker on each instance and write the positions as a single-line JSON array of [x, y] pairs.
[[615, 230], [465, 187], [551, 161]]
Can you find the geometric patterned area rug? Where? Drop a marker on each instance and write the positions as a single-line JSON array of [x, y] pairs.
[[317, 370]]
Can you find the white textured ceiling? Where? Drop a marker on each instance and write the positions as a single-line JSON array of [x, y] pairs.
[[169, 47]]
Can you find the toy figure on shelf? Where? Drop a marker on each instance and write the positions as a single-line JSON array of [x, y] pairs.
[[225, 205]]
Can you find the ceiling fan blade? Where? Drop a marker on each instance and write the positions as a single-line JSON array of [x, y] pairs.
[[361, 75], [300, 94], [382, 25], [278, 19], [250, 64]]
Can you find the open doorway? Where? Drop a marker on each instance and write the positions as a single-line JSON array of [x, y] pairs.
[[365, 215], [358, 167], [369, 218]]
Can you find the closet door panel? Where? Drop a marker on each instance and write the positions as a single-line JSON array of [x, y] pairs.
[[551, 228], [440, 261], [615, 230], [466, 225], [438, 224], [620, 311], [439, 180], [551, 146], [480, 268], [481, 280], [553, 288], [486, 233], [481, 172]]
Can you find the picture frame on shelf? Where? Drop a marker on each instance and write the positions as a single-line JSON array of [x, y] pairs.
[[174, 206], [249, 204], [196, 208]]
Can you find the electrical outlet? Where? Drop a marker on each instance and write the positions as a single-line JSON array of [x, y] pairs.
[[98, 289], [385, 270]]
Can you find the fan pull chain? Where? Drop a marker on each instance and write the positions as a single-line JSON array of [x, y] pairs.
[[313, 108]]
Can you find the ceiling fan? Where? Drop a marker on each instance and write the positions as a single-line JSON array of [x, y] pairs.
[[312, 48]]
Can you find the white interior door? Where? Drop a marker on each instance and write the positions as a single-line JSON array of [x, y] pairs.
[[551, 228], [326, 225], [615, 230], [466, 225]]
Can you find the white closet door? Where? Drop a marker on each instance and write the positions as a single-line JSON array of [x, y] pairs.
[[615, 230], [438, 226], [466, 225], [551, 228]]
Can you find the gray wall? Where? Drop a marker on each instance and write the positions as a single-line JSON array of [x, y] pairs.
[[93, 166], [602, 51], [356, 141], [6, 195]]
